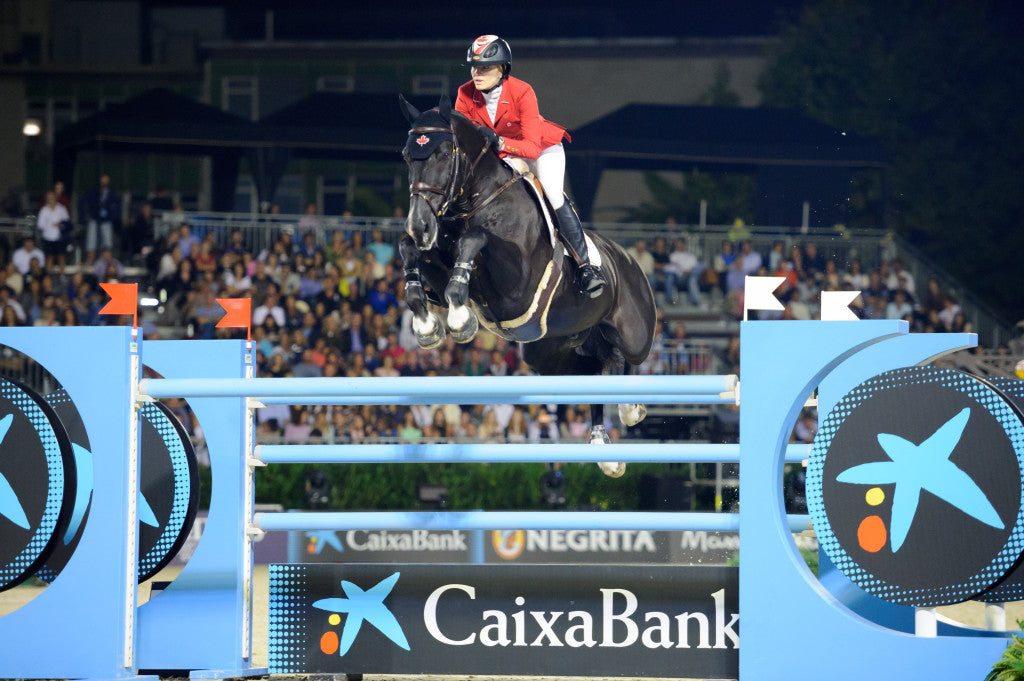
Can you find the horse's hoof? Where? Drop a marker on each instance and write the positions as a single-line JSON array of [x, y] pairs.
[[613, 469], [632, 414], [429, 335], [468, 331]]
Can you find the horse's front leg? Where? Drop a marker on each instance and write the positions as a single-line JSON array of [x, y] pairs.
[[462, 321], [426, 324]]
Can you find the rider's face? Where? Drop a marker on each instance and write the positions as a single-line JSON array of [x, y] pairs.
[[486, 77]]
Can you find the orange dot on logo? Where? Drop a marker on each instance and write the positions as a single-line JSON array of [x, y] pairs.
[[871, 534], [329, 643]]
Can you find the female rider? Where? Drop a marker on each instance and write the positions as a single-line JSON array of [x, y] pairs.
[[506, 110]]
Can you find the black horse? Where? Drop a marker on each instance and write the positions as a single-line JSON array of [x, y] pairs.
[[477, 234]]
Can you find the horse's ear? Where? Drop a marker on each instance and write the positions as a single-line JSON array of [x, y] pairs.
[[411, 112], [444, 107]]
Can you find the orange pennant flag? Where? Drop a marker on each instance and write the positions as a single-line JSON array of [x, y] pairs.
[[123, 299], [237, 314]]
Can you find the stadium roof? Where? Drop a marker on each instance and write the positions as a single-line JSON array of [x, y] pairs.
[[783, 147]]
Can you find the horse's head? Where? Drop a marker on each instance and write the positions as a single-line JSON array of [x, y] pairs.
[[433, 158]]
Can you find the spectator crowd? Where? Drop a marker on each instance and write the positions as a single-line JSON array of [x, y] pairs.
[[331, 304]]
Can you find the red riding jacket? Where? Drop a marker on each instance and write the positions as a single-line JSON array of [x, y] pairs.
[[517, 120]]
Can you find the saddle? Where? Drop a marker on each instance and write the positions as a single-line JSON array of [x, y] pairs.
[[520, 166]]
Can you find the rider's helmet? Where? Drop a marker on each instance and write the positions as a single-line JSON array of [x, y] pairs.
[[490, 50]]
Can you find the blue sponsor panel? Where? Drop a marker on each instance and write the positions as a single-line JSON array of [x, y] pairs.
[[579, 620]]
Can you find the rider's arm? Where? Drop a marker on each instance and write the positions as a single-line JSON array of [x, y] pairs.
[[464, 100]]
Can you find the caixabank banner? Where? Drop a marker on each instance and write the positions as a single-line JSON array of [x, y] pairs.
[[544, 620]]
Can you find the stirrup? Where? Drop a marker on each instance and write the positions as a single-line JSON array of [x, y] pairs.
[[589, 281]]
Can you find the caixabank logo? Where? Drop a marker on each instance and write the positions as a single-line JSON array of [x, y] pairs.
[[504, 619], [914, 486]]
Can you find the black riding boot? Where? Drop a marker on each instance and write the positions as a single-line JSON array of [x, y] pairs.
[[589, 281]]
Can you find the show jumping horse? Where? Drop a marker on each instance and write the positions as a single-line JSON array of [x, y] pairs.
[[477, 233]]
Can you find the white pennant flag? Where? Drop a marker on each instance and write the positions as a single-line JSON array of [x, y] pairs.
[[835, 306], [758, 294]]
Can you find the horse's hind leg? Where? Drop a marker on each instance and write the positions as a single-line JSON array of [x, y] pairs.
[[632, 413], [426, 324], [599, 436]]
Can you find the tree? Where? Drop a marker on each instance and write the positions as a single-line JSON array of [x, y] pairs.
[[937, 85]]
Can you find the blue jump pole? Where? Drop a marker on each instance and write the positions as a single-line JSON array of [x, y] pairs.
[[522, 453], [506, 388], [443, 397], [506, 520]]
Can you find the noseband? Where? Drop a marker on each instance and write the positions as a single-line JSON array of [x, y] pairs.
[[448, 193]]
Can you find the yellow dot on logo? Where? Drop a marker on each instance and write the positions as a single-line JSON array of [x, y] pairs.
[[334, 619], [874, 496]]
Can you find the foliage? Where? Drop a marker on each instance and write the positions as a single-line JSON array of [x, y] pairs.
[[729, 196], [494, 486], [936, 85], [1010, 665], [366, 202]]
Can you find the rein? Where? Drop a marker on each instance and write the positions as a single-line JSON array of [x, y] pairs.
[[448, 193]]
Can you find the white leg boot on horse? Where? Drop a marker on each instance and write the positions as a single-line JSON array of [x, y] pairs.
[[462, 321], [429, 331], [613, 469], [632, 414], [589, 280]]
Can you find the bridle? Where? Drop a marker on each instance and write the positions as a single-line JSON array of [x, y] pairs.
[[454, 188]]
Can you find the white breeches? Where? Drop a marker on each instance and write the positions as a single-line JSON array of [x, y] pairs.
[[549, 168]]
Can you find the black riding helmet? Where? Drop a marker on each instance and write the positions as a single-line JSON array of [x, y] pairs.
[[488, 50]]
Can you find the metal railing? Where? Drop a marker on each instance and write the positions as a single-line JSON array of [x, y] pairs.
[[870, 247]]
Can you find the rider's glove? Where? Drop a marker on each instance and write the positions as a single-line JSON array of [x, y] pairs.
[[491, 137]]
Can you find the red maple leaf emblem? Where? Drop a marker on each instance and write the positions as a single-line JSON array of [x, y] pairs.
[[422, 139]]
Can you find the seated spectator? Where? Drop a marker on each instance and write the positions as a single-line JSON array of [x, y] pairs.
[[640, 253], [380, 298], [382, 251], [899, 307], [186, 241], [751, 259], [722, 262], [306, 367], [683, 266], [9, 302], [107, 267], [797, 307], [307, 249], [236, 282], [26, 253], [271, 307], [206, 314]]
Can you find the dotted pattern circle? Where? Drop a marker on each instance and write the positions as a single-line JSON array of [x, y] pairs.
[[287, 621], [891, 380], [169, 435], [15, 570]]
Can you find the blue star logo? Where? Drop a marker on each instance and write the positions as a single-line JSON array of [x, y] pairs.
[[322, 538], [10, 506], [926, 466], [365, 605]]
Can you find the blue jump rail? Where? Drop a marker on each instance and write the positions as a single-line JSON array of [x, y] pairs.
[[507, 520], [512, 453], [715, 389]]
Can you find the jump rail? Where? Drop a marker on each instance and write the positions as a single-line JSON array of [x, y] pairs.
[[507, 453], [474, 389]]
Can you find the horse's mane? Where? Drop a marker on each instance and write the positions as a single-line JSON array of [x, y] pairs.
[[471, 140]]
